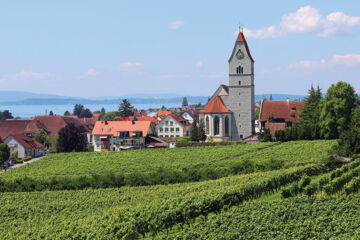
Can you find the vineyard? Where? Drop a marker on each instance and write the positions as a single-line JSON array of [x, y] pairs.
[[160, 166], [290, 190]]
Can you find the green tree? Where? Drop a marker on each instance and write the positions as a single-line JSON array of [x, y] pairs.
[[71, 138], [51, 141], [198, 105], [126, 109], [109, 115], [201, 131], [78, 108], [40, 136], [4, 153], [51, 113], [336, 111], [267, 135], [66, 113], [185, 102], [6, 115], [86, 113], [310, 114], [194, 135]]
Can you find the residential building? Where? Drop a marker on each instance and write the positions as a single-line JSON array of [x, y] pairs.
[[173, 125], [118, 135], [15, 127], [25, 146], [278, 115], [230, 115]]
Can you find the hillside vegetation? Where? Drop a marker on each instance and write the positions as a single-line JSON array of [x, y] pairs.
[[160, 166]]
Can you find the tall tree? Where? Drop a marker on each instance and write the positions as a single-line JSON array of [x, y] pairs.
[[185, 102], [51, 113], [4, 153], [310, 114], [194, 135], [71, 138], [78, 108], [201, 131], [126, 109], [336, 111], [85, 113], [66, 113], [6, 115]]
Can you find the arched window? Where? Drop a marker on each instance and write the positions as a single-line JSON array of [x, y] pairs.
[[226, 126], [216, 125], [207, 125], [239, 84], [239, 70]]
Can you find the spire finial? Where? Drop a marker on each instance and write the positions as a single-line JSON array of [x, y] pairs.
[[241, 28]]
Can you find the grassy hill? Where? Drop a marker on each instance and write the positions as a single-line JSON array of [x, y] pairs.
[[236, 192]]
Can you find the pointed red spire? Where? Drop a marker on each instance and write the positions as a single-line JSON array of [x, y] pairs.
[[241, 38]]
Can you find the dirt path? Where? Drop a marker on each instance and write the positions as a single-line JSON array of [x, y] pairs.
[[22, 164]]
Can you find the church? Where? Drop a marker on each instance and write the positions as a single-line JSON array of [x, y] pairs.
[[229, 115]]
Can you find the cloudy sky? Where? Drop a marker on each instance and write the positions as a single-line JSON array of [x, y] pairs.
[[112, 48]]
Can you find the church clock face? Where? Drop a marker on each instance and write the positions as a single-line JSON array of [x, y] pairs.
[[240, 55]]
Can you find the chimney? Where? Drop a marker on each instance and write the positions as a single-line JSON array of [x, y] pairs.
[[106, 122]]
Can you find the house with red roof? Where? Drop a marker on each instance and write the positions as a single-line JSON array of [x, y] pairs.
[[173, 125], [24, 127], [120, 135], [278, 115], [25, 146]]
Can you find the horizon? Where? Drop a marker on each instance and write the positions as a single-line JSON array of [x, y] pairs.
[[100, 50]]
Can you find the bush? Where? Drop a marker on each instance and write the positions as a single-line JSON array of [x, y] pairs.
[[25, 159], [15, 154], [19, 160], [310, 189]]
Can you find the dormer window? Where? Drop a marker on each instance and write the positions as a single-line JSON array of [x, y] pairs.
[[239, 70]]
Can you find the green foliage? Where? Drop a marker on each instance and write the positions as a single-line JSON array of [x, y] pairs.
[[71, 138], [67, 113], [194, 132], [267, 135], [201, 131], [51, 113], [109, 115], [117, 213], [15, 154], [126, 109], [51, 141], [336, 111], [185, 102], [257, 111], [4, 153], [41, 136], [6, 115], [296, 218], [200, 163]]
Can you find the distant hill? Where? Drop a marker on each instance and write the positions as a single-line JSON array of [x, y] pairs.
[[27, 98]]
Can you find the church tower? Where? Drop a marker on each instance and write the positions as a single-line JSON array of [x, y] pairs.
[[241, 100]]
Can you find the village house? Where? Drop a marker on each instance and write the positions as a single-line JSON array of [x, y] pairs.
[[118, 135], [24, 127], [173, 125], [278, 115], [25, 146]]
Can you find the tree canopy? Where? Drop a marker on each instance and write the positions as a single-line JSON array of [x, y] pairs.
[[71, 138], [4, 153], [126, 109], [185, 102], [40, 136], [66, 113], [336, 111], [6, 115]]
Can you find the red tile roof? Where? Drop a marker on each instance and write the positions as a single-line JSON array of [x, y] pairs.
[[55, 123], [27, 142], [241, 38], [143, 118], [216, 106], [177, 117], [114, 128], [160, 112], [275, 127], [11, 127], [287, 110]]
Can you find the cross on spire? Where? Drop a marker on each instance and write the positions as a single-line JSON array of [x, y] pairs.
[[241, 27]]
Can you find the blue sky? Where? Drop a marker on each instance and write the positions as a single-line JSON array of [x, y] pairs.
[[113, 48]]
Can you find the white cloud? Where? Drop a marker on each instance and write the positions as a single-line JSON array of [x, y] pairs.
[[175, 24], [308, 20], [348, 60], [198, 64], [25, 75], [90, 73], [125, 66]]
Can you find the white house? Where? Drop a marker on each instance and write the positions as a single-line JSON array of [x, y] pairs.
[[173, 125], [25, 146]]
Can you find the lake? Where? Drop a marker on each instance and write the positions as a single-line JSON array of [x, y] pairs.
[[28, 111]]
